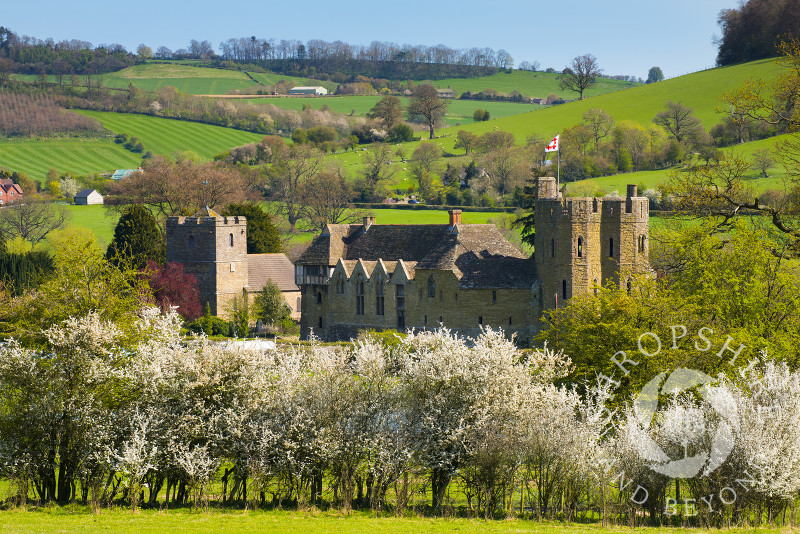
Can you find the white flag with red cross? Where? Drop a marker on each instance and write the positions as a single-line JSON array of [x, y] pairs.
[[553, 146]]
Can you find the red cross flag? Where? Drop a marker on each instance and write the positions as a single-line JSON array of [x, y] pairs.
[[553, 146]]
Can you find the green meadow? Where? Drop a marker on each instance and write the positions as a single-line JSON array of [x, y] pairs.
[[170, 136], [77, 519], [458, 111], [533, 84], [77, 156]]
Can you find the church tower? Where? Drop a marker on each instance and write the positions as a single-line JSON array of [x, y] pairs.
[[214, 249]]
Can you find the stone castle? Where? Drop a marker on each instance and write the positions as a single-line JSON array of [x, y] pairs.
[[214, 249], [467, 276]]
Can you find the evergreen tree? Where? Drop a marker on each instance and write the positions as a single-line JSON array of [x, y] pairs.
[[262, 235], [137, 239], [269, 305]]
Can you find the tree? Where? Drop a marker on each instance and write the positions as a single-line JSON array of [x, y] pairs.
[[389, 109], [288, 174], [654, 75], [377, 165], [137, 239], [144, 52], [427, 107], [580, 74], [262, 235], [180, 188], [480, 115], [679, 121], [423, 163], [31, 220], [269, 306], [328, 200], [763, 160], [172, 286], [466, 140]]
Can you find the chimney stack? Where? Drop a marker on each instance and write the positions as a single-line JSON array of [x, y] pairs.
[[368, 221], [632, 191], [455, 217]]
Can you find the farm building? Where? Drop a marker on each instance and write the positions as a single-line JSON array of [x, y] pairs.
[[88, 197], [119, 174], [446, 93], [316, 91], [9, 192]]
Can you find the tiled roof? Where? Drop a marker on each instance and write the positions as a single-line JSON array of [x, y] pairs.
[[84, 193], [478, 254], [275, 267]]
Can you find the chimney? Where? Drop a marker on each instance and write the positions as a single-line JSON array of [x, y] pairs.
[[368, 221], [455, 217], [631, 190]]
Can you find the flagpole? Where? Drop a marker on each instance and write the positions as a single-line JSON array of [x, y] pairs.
[[558, 171]]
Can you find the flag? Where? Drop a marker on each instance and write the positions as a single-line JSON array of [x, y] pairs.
[[553, 146]]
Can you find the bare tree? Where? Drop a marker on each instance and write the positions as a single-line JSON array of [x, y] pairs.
[[31, 220], [762, 161], [580, 74], [290, 172], [377, 164], [327, 200], [599, 122], [427, 107]]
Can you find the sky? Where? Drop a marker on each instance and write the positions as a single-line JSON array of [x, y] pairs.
[[627, 36]]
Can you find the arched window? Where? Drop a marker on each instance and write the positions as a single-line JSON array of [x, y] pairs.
[[553, 248], [431, 287], [230, 237], [610, 247], [319, 297], [191, 241], [564, 289], [360, 295], [580, 247], [340, 284]]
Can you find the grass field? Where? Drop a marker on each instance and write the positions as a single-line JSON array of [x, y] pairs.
[[533, 84], [76, 519], [95, 218], [80, 157], [458, 111], [169, 136]]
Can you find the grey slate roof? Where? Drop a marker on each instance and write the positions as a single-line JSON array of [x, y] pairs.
[[478, 254], [275, 267], [84, 193]]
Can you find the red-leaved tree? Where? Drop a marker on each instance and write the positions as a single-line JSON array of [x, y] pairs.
[[172, 286]]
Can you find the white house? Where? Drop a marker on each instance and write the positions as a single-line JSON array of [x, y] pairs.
[[87, 197], [316, 91]]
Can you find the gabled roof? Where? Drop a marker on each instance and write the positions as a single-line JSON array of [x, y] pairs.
[[275, 267], [477, 254], [86, 192]]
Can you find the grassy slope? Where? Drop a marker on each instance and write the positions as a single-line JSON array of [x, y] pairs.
[[169, 136], [79, 157], [95, 218], [533, 84], [458, 111]]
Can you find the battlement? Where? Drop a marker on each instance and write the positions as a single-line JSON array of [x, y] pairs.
[[206, 221]]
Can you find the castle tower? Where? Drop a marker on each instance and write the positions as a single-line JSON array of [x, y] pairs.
[[214, 249], [582, 242]]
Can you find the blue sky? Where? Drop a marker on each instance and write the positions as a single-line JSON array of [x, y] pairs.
[[627, 36]]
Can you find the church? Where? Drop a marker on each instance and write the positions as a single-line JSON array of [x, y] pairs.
[[464, 277]]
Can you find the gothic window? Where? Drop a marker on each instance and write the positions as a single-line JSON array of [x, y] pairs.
[[610, 247], [431, 287], [360, 295], [564, 290], [340, 284], [320, 322], [379, 298], [400, 296], [580, 247]]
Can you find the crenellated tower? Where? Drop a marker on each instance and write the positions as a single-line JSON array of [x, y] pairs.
[[214, 249], [583, 242]]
